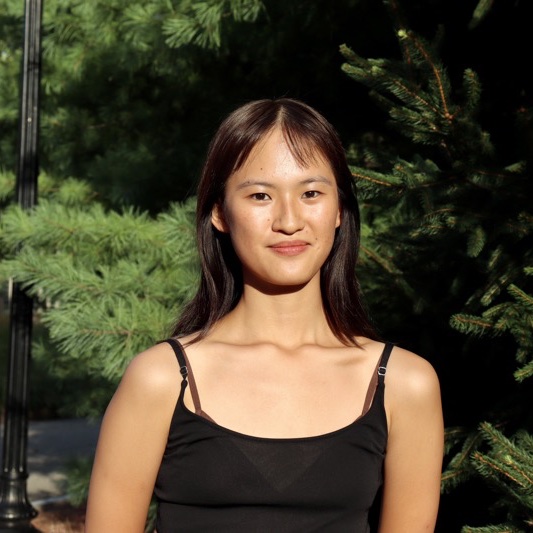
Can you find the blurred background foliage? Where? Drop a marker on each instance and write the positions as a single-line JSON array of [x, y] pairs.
[[432, 102]]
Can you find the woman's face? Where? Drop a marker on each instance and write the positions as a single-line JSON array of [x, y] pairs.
[[280, 216]]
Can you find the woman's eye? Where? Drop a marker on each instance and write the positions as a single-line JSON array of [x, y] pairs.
[[311, 194], [261, 196]]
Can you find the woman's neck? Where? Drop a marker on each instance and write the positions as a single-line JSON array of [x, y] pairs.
[[290, 318]]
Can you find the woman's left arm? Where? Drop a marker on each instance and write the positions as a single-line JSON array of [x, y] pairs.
[[413, 462]]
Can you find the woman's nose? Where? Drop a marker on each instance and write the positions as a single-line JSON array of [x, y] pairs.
[[288, 217]]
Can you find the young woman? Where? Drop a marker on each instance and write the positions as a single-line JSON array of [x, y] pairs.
[[286, 425]]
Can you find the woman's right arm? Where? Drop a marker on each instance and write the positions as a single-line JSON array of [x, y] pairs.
[[132, 442]]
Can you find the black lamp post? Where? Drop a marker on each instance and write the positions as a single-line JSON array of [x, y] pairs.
[[16, 512]]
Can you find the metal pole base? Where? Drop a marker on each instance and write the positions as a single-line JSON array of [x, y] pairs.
[[16, 512]]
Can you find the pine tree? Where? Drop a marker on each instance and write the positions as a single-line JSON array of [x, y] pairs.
[[448, 231], [506, 463], [115, 279], [107, 284], [120, 81], [133, 90]]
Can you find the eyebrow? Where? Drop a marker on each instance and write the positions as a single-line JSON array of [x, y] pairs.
[[307, 181]]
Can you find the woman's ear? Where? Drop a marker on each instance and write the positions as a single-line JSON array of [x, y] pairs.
[[218, 219], [339, 217]]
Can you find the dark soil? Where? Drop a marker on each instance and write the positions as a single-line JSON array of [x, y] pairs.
[[59, 518]]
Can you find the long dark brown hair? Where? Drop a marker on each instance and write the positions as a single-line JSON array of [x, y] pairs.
[[307, 134]]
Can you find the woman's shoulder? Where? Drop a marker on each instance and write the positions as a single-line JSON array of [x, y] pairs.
[[153, 372], [411, 367], [410, 378]]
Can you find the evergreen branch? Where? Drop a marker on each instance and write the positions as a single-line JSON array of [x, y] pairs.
[[470, 324], [504, 175], [490, 467], [429, 229], [371, 73], [200, 24], [418, 122], [501, 528], [414, 94], [521, 297], [495, 466], [94, 236], [472, 88], [246, 10], [434, 222], [406, 34], [381, 261], [7, 185], [372, 179], [525, 441], [438, 183], [106, 337], [508, 464], [68, 191], [480, 12], [460, 465], [498, 284], [454, 435], [476, 241], [524, 372], [508, 452], [59, 278], [28, 270]]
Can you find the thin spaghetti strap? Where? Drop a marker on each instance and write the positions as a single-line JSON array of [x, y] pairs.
[[180, 356], [382, 368], [378, 376], [186, 372]]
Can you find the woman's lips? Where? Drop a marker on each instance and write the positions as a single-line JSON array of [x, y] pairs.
[[290, 247]]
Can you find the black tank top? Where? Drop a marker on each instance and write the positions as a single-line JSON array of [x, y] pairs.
[[214, 479]]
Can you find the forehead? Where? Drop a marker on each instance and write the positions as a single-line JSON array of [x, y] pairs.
[[279, 149]]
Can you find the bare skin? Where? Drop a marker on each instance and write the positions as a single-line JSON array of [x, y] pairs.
[[273, 367]]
